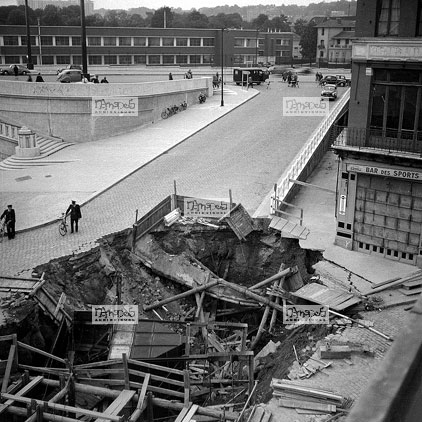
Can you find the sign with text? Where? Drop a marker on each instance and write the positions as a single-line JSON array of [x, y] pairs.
[[114, 106], [306, 314], [197, 207], [305, 106], [114, 314], [386, 172]]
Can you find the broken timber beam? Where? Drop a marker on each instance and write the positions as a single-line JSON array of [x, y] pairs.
[[181, 295], [163, 403], [21, 411], [269, 280], [9, 365], [141, 405], [117, 405], [41, 352]]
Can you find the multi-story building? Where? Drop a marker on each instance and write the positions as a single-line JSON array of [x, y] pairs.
[[42, 4], [150, 46], [379, 205], [334, 42]]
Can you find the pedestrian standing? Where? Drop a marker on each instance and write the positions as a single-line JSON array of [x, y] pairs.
[[16, 71], [29, 78], [104, 80], [75, 214], [9, 221], [170, 77], [95, 79], [39, 78], [250, 84]]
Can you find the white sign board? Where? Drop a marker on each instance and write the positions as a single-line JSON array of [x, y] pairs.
[[305, 106], [198, 207], [114, 314], [386, 172], [114, 106]]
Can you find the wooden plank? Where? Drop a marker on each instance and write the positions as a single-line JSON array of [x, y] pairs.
[[183, 413], [340, 299], [399, 302], [299, 404], [192, 410], [60, 303], [21, 392], [141, 405], [118, 404], [416, 273], [410, 292], [412, 284], [9, 365], [41, 352], [348, 303]]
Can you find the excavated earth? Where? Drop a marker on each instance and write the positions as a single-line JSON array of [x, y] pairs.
[[90, 278]]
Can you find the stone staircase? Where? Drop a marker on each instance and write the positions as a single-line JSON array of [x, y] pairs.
[[48, 146]]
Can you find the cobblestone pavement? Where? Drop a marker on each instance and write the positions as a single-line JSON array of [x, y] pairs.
[[246, 151]]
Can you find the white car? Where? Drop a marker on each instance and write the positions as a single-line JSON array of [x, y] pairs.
[[70, 75], [330, 92]]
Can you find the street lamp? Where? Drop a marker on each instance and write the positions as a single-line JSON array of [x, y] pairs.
[[29, 63], [256, 48], [83, 40], [222, 67]]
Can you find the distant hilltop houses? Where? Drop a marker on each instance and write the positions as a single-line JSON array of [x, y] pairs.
[[42, 4]]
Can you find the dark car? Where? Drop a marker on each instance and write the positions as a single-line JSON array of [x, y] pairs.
[[330, 92], [70, 66], [342, 80], [329, 80], [69, 75], [22, 70]]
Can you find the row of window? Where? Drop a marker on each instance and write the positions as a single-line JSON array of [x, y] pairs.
[[113, 41]]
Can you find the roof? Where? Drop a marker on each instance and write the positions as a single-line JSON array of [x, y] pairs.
[[345, 34], [336, 23]]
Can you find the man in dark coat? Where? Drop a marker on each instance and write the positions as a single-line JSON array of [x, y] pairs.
[[9, 220], [75, 214]]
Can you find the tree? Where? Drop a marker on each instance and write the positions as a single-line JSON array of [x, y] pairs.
[[136, 20], [300, 26], [308, 42], [94, 20], [195, 19], [16, 17], [51, 16], [261, 22], [157, 20], [222, 20], [281, 23]]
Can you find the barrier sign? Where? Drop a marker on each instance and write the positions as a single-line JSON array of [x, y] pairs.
[[197, 207], [114, 106], [114, 314]]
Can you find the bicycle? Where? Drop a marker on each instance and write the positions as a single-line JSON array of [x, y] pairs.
[[63, 225], [183, 106], [202, 98], [169, 111]]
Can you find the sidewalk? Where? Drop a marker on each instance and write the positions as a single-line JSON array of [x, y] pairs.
[[41, 194]]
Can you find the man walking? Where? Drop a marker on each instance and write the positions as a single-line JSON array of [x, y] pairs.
[[75, 214], [9, 220]]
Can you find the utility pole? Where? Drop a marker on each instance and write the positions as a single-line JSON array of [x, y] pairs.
[[222, 67], [39, 40], [83, 40], [164, 17], [29, 63]]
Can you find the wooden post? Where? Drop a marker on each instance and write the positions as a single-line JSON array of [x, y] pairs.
[[9, 364], [126, 371], [71, 395], [187, 388], [25, 378], [230, 199], [150, 409], [136, 215], [187, 347]]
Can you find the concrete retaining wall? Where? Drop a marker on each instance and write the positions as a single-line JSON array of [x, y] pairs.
[[65, 110]]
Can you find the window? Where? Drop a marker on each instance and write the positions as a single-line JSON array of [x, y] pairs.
[[239, 42], [110, 41], [347, 42], [140, 59], [238, 59], [47, 60], [11, 59], [251, 42], [110, 59], [322, 31], [322, 43], [168, 42], [62, 41], [388, 17], [125, 59], [182, 59], [338, 42], [23, 40], [278, 42], [419, 21], [207, 59], [153, 41], [154, 59], [168, 59], [195, 59], [139, 41], [11, 40], [77, 60], [62, 59], [195, 42], [181, 42], [45, 40], [94, 60], [125, 41], [208, 42], [76, 40], [94, 40]]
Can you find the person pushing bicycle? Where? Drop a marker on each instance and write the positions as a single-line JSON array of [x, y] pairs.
[[75, 214]]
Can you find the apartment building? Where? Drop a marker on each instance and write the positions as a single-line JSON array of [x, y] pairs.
[[379, 204]]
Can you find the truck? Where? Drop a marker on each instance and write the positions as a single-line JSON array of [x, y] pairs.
[[258, 74]]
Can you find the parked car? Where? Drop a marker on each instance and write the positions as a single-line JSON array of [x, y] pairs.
[[330, 92], [70, 75], [22, 70], [342, 80], [329, 80], [69, 66]]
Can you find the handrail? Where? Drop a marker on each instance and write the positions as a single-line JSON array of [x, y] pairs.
[[9, 131], [304, 155]]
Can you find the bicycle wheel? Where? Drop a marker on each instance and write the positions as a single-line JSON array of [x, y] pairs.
[[2, 234], [62, 229], [164, 115]]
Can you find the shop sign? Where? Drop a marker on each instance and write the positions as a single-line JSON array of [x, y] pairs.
[[385, 172]]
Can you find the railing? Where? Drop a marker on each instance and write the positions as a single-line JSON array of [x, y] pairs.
[[305, 154], [9, 131], [386, 140]]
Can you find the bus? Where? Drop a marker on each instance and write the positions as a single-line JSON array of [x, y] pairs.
[[258, 74]]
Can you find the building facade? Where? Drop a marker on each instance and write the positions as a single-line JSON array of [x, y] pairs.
[[379, 204], [334, 42], [145, 46]]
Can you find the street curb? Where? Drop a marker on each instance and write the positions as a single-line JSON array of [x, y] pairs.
[[47, 223]]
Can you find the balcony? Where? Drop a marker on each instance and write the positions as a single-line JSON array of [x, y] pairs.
[[379, 140]]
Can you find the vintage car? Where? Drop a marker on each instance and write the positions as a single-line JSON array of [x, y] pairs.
[[329, 80], [70, 75], [330, 92], [22, 70], [69, 66], [343, 80]]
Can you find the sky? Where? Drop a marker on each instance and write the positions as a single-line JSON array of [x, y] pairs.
[[183, 4]]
